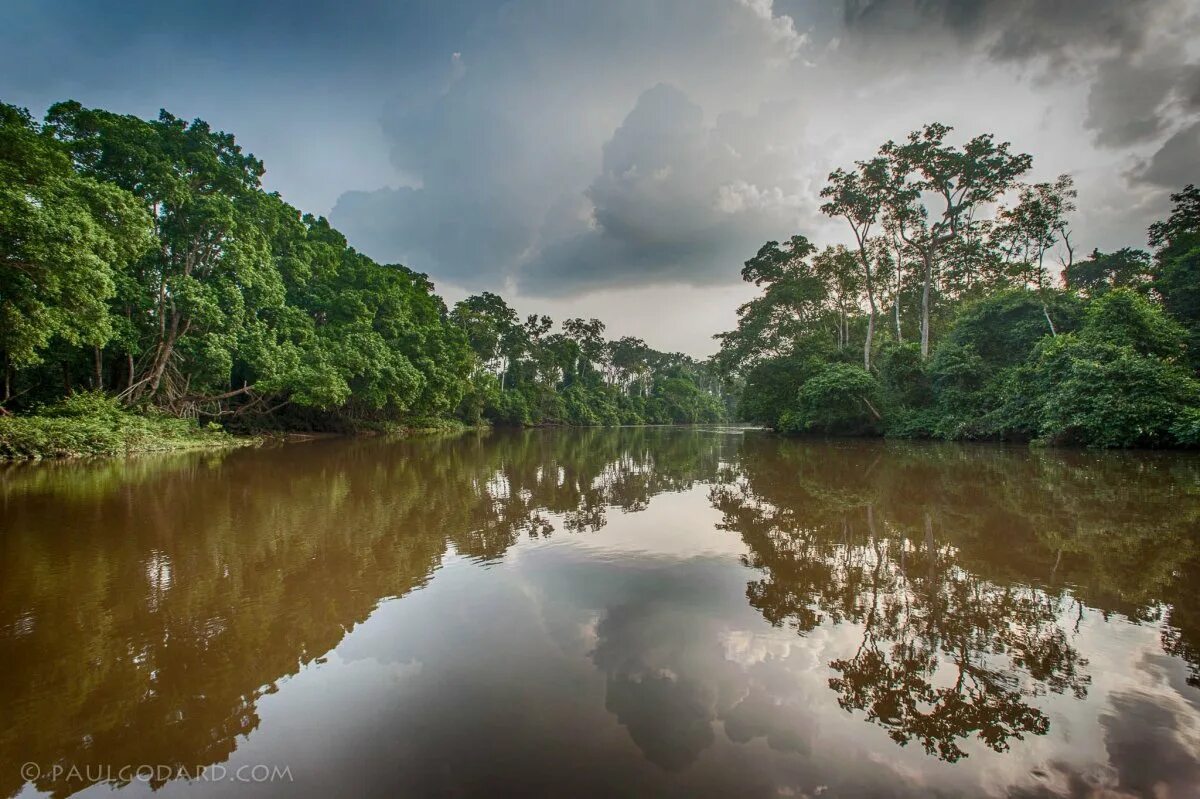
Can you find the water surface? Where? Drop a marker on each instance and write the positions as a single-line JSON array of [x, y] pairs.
[[603, 612]]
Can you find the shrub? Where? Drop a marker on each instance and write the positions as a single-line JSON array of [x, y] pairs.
[[1102, 394], [93, 424], [839, 398]]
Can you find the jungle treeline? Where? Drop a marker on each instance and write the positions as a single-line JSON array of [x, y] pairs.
[[144, 268], [965, 310], [142, 262]]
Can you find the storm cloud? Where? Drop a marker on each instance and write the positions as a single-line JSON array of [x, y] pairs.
[[602, 158], [1135, 60], [582, 157], [573, 148]]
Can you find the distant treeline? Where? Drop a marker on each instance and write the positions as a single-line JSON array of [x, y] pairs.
[[143, 260], [943, 320]]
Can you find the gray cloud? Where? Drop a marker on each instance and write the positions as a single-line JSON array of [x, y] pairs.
[[622, 158], [1020, 30], [572, 147], [1131, 54], [675, 201], [1176, 163], [1127, 102], [579, 145]]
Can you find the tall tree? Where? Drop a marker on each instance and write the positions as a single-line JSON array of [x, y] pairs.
[[589, 335], [492, 329], [1177, 261], [211, 263], [936, 189], [1028, 230], [65, 240], [859, 196]]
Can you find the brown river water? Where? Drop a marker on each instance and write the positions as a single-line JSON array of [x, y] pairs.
[[626, 612]]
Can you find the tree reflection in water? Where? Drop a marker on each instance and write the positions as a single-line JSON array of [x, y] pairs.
[[146, 606], [170, 594], [954, 563]]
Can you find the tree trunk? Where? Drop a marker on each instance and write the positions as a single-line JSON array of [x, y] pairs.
[[928, 278], [160, 365], [165, 350], [870, 337], [1049, 321], [99, 360], [869, 282]]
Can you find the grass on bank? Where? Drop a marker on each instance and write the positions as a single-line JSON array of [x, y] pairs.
[[94, 424]]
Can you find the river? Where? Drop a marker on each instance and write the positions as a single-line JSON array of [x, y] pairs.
[[624, 612]]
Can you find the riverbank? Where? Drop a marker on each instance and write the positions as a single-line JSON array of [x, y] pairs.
[[92, 425]]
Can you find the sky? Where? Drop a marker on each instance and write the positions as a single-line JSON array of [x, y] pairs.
[[622, 159]]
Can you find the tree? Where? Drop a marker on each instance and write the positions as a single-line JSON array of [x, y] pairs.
[[936, 189], [589, 336], [199, 288], [492, 330], [65, 242], [837, 398], [859, 197], [837, 269], [1176, 278], [1100, 272], [793, 304], [1119, 382], [1036, 223]]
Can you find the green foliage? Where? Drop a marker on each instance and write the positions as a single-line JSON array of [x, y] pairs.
[[65, 240], [903, 382], [1124, 318], [1118, 382], [575, 376], [1002, 327], [1104, 394], [771, 387], [94, 424], [837, 398], [142, 259], [1110, 360], [1100, 272]]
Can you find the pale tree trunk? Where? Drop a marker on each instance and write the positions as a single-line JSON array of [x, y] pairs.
[[870, 337], [1042, 292], [870, 285], [1049, 321], [928, 278]]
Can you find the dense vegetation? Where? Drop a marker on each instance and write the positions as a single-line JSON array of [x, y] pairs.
[[93, 424], [143, 260], [943, 320]]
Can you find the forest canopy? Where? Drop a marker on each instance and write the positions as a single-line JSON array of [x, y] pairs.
[[944, 319], [141, 261]]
